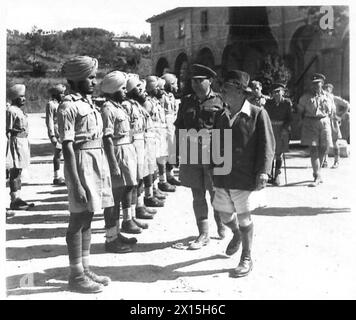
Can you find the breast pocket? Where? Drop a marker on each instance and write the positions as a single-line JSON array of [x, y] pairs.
[[87, 121]]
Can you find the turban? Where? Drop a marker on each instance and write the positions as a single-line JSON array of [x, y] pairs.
[[161, 83], [144, 83], [170, 78], [132, 83], [16, 91], [151, 82], [57, 89], [113, 81], [79, 68]]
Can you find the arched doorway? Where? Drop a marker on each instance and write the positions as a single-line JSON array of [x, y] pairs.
[[161, 65], [181, 69], [206, 57]]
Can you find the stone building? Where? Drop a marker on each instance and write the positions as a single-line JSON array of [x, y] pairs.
[[247, 38]]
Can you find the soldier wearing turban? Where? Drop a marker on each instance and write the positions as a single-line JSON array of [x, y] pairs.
[[170, 105], [86, 169], [18, 151], [122, 159], [57, 93]]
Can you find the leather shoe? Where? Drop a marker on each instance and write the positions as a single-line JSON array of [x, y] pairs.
[[125, 240], [200, 242], [19, 204], [159, 195], [117, 247], [335, 165], [96, 278], [141, 225], [173, 181], [59, 182], [166, 187], [234, 244], [143, 214], [153, 202], [243, 269], [83, 284], [128, 226]]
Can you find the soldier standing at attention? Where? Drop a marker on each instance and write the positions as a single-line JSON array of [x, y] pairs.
[[153, 107], [135, 96], [86, 169], [252, 143], [162, 132], [170, 105], [315, 108], [18, 144], [57, 94], [279, 110], [257, 98], [197, 112], [122, 160]]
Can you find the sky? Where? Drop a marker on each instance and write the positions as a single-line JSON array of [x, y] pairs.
[[116, 16], [112, 15]]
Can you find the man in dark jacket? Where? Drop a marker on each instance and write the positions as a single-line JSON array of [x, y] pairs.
[[196, 113], [252, 145]]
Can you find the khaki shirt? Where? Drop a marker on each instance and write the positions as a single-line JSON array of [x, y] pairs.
[[79, 119], [315, 105], [51, 118], [137, 115], [16, 121], [116, 122]]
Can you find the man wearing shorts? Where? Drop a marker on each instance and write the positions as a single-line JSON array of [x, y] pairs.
[[315, 108], [57, 94], [252, 142]]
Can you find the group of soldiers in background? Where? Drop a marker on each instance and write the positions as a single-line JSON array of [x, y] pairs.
[[120, 157]]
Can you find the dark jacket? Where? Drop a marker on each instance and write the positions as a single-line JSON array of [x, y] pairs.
[[252, 143]]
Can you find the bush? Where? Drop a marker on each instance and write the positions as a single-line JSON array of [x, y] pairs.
[[39, 69]]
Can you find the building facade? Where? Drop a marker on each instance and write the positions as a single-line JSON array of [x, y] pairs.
[[300, 39]]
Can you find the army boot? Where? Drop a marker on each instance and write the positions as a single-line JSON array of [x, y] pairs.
[[203, 238], [245, 265]]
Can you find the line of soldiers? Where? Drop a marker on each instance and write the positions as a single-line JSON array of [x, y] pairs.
[[112, 155]]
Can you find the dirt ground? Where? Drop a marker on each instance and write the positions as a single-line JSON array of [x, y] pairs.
[[304, 242]]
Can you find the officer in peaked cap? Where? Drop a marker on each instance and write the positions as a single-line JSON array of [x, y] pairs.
[[316, 108], [197, 112], [202, 72], [279, 110], [318, 77]]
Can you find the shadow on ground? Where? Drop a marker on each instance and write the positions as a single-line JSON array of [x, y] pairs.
[[41, 149], [44, 218], [53, 250], [57, 191], [54, 280], [298, 211]]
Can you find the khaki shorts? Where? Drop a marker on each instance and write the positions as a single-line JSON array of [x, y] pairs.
[[239, 201], [316, 132], [94, 175]]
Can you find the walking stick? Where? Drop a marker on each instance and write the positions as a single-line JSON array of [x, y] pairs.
[[285, 169]]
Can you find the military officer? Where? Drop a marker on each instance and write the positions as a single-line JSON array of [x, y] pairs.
[[279, 110], [315, 108], [196, 112]]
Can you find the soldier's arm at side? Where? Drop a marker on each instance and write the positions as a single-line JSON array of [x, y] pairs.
[[108, 131], [66, 121], [265, 144], [49, 120]]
